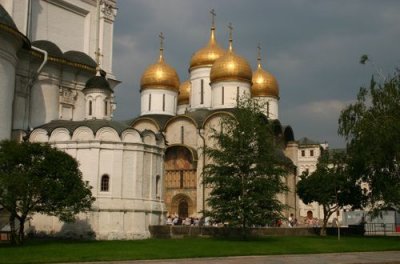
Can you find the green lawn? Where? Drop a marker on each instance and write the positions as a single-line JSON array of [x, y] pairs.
[[44, 251]]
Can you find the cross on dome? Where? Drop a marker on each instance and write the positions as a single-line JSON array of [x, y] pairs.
[[213, 15], [161, 36], [230, 35], [259, 55]]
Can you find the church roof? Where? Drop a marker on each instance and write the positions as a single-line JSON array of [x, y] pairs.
[[306, 141], [98, 82], [7, 24], [80, 57], [51, 48], [94, 125], [6, 19]]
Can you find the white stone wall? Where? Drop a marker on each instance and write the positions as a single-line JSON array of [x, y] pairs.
[[225, 94], [152, 102], [9, 46], [98, 100], [71, 24], [196, 76], [132, 163], [271, 109]]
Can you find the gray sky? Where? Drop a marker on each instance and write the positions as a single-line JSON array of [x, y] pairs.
[[312, 47]]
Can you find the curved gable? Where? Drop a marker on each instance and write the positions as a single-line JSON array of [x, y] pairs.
[[39, 135], [60, 134], [83, 133], [107, 134]]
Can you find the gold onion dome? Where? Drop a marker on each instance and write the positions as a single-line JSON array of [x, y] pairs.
[[207, 55], [264, 83], [231, 67], [160, 75], [184, 92]]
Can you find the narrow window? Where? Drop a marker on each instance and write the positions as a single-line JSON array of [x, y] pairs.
[[223, 94], [237, 94], [182, 134], [105, 183], [181, 179], [158, 186], [268, 109], [90, 107], [105, 108], [311, 152], [149, 102], [303, 153], [163, 102], [202, 92]]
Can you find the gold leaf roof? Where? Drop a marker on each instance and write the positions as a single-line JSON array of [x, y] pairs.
[[184, 92], [207, 55], [264, 83], [231, 67], [160, 75]]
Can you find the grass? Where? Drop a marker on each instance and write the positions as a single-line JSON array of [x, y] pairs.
[[45, 251]]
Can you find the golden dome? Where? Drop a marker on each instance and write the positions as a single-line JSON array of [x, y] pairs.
[[207, 55], [160, 76], [184, 92], [264, 83], [231, 67]]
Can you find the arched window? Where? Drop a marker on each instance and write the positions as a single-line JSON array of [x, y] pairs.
[[105, 183], [106, 108], [90, 107]]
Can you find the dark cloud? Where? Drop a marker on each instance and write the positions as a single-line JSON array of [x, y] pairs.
[[312, 47]]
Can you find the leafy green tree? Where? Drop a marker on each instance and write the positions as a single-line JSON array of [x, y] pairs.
[[36, 178], [330, 186], [247, 169], [371, 127]]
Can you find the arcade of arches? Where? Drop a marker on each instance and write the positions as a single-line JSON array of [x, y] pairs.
[[180, 181]]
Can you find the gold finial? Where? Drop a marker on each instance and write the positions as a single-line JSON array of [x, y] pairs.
[[259, 55], [230, 35], [213, 15], [161, 36]]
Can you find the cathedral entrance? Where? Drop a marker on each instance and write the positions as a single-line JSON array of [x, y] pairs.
[[182, 205], [183, 209], [180, 180]]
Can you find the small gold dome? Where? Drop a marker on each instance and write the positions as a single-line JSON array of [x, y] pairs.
[[264, 83], [207, 55], [184, 92], [160, 76], [231, 67]]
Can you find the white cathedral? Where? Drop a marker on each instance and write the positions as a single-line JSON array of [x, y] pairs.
[[145, 168]]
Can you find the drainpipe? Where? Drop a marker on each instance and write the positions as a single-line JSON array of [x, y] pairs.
[[33, 80], [202, 170], [29, 20]]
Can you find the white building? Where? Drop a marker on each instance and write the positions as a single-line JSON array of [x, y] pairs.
[[139, 170], [50, 93]]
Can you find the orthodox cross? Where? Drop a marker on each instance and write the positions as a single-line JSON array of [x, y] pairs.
[[259, 54], [161, 36], [213, 14], [230, 30]]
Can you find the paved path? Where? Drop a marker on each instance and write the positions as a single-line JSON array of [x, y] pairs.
[[387, 257]]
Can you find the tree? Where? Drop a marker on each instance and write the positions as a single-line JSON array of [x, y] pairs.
[[36, 178], [371, 127], [246, 170], [330, 186]]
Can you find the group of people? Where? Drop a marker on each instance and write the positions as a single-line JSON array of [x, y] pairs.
[[188, 221]]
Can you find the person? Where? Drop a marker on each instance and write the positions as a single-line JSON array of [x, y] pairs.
[[291, 220], [335, 222], [169, 220]]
